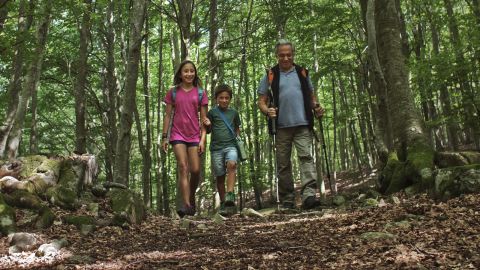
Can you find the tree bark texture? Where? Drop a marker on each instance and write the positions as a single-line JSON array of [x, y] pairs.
[[379, 84], [31, 81], [81, 81], [406, 122], [122, 158], [110, 91], [412, 161], [33, 143], [146, 154], [212, 47], [15, 84], [184, 18], [4, 8]]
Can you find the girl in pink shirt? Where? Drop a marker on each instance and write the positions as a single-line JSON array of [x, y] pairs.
[[187, 136]]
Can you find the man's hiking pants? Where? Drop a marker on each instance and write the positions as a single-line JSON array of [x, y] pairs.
[[302, 138]]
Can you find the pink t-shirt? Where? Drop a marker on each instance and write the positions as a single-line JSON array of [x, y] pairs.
[[186, 126]]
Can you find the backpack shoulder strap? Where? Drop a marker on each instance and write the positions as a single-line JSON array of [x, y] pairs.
[[270, 76], [174, 94], [200, 96], [304, 72]]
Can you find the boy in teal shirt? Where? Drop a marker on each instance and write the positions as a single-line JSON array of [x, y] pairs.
[[223, 147]]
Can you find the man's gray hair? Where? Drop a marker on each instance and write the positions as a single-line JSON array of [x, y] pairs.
[[282, 42]]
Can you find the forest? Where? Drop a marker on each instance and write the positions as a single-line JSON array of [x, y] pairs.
[[399, 81]]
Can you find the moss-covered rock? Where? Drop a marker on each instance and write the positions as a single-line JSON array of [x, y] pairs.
[[63, 197], [398, 180], [45, 218], [472, 157], [450, 159], [52, 165], [23, 199], [68, 176], [127, 206], [99, 191], [30, 164], [7, 217], [385, 177], [370, 202], [41, 182], [92, 208], [339, 200], [454, 181], [78, 221], [420, 163]]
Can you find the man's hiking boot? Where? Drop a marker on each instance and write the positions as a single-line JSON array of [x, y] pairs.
[[310, 202], [230, 199]]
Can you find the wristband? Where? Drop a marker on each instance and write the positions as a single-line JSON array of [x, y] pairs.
[[164, 136]]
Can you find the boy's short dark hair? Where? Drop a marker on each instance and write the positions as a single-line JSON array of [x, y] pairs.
[[223, 88]]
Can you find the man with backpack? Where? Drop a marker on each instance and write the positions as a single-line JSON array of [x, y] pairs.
[[287, 98]]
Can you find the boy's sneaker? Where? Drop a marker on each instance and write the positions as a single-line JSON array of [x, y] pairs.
[[221, 210], [230, 199]]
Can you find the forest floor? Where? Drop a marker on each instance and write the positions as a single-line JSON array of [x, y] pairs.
[[400, 233]]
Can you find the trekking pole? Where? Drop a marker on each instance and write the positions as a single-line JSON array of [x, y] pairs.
[[274, 148], [332, 189]]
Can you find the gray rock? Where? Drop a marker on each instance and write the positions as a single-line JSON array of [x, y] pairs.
[[21, 242]]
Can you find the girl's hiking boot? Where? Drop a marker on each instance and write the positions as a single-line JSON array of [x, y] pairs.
[[186, 211]]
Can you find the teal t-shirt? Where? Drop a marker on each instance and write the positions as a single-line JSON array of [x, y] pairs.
[[221, 136]]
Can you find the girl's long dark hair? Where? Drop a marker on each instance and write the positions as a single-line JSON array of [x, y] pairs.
[[177, 80]]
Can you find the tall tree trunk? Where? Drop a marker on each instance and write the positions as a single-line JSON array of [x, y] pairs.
[[4, 8], [81, 81], [162, 180], [363, 114], [379, 84], [184, 15], [15, 84], [414, 154], [31, 81], [33, 125], [110, 91], [403, 29], [212, 47], [255, 181], [146, 153], [122, 156]]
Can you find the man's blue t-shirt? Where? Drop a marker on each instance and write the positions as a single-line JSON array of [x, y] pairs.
[[291, 107]]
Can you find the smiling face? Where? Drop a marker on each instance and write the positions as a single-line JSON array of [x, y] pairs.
[[187, 74], [285, 57], [223, 100]]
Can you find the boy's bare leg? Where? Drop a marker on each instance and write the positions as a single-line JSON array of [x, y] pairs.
[[221, 187], [231, 175]]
